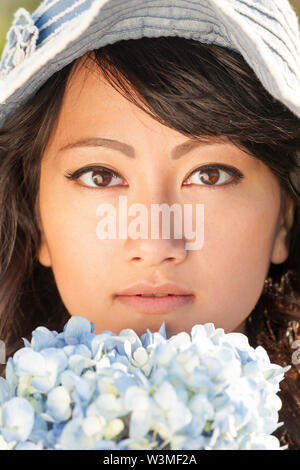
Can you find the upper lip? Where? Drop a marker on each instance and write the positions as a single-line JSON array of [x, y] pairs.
[[145, 288]]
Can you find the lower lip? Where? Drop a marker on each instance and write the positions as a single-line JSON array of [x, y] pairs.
[[155, 304]]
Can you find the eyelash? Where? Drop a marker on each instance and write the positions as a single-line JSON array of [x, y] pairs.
[[233, 171]]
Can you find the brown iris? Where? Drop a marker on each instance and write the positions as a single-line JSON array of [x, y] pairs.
[[101, 180], [210, 176]]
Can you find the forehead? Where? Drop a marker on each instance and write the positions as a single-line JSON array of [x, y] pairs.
[[86, 80], [92, 107]]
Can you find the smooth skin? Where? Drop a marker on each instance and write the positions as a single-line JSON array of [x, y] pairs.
[[245, 224]]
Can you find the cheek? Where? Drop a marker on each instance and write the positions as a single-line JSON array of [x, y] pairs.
[[82, 264], [236, 256], [80, 260]]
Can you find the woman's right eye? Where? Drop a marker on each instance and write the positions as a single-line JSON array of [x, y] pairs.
[[100, 177]]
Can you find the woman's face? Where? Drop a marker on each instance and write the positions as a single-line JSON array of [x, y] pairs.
[[244, 225]]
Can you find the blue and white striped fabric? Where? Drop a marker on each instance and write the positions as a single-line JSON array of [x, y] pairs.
[[265, 32]]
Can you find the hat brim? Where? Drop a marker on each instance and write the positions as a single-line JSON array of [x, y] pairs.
[[267, 39]]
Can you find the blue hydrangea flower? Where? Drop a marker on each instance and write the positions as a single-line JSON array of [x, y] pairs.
[[77, 390]]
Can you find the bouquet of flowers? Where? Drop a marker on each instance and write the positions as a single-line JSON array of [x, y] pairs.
[[80, 390]]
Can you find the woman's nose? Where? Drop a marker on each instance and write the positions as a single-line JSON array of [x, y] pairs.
[[152, 252], [161, 230]]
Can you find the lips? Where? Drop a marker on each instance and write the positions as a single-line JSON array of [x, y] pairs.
[[145, 288], [175, 297]]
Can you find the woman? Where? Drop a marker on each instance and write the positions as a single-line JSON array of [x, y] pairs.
[[161, 78]]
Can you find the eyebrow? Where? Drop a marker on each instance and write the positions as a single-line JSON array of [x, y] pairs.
[[128, 150]]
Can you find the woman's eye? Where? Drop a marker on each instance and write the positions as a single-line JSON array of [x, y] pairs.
[[96, 177], [102, 177], [214, 175]]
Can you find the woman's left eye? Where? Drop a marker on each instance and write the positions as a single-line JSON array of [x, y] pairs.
[[211, 175], [96, 177]]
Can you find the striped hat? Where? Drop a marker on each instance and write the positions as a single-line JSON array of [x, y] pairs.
[[264, 32]]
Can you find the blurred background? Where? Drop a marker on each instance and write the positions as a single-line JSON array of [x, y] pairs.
[[8, 7]]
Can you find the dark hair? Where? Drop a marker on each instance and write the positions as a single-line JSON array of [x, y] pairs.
[[199, 90]]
